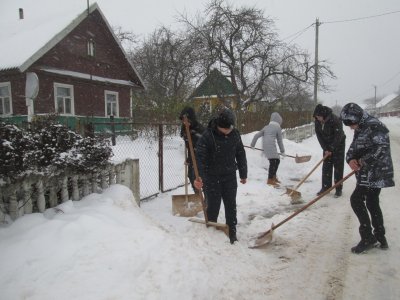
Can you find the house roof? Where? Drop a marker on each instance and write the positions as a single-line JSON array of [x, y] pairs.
[[214, 84], [24, 41], [386, 100]]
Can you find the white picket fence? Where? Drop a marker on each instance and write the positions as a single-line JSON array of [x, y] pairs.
[[37, 192], [300, 133]]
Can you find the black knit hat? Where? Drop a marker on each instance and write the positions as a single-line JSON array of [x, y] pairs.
[[189, 113], [322, 111], [225, 119]]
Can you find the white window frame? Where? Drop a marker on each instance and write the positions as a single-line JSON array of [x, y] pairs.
[[106, 93], [91, 48], [6, 84], [68, 86]]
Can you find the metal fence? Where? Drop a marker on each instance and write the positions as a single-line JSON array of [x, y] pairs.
[[160, 151], [159, 148]]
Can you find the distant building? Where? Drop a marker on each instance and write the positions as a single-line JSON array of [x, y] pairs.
[[70, 65], [388, 106], [213, 91]]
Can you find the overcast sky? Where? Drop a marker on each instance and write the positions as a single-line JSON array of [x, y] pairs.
[[363, 53]]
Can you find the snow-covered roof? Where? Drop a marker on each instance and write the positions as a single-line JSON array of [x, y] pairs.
[[23, 41], [386, 100]]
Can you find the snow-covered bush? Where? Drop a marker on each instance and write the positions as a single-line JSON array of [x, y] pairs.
[[13, 146], [48, 148]]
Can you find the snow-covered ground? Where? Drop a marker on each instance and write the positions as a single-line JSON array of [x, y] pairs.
[[105, 247]]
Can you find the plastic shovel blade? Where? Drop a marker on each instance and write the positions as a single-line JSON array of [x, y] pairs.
[[263, 239], [302, 159]]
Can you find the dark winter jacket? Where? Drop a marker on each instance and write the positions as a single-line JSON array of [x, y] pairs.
[[330, 132], [220, 155], [371, 145], [195, 128]]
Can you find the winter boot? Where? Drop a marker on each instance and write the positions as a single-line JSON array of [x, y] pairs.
[[364, 245], [232, 236], [272, 181], [338, 193], [276, 179], [383, 242]]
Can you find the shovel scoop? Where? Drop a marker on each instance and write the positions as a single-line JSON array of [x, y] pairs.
[[187, 205], [293, 193], [266, 237]]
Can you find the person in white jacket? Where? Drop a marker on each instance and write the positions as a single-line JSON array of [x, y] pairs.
[[272, 134]]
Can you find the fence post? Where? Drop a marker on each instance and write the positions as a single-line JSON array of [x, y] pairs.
[[53, 201], [64, 189], [75, 188], [160, 158], [13, 206], [136, 180], [112, 130], [27, 197], [41, 201]]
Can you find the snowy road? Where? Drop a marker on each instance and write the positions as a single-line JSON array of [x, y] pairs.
[[310, 255], [105, 247]]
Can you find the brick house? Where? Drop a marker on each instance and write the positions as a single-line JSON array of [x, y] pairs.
[[70, 65]]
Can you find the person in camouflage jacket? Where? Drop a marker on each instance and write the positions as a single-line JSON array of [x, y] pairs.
[[368, 155]]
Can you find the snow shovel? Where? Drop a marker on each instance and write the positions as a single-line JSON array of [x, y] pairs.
[[297, 159], [218, 226], [293, 193], [187, 205], [266, 237]]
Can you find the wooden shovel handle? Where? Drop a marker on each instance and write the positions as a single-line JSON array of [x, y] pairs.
[[308, 175], [308, 204], [263, 150], [196, 170]]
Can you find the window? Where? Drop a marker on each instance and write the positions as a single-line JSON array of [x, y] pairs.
[[5, 99], [205, 107], [111, 104], [64, 98], [91, 48]]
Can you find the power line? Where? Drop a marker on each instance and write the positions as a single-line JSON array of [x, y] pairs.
[[379, 85], [385, 83], [297, 34], [363, 18]]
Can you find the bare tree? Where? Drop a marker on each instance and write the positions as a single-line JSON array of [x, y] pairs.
[[244, 45], [167, 64], [127, 38], [294, 95]]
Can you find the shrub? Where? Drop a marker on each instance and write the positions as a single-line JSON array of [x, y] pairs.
[[48, 148]]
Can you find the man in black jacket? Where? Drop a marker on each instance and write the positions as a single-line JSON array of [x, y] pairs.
[[329, 131], [220, 153]]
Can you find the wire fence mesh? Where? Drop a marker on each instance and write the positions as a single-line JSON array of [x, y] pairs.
[[157, 146], [160, 149]]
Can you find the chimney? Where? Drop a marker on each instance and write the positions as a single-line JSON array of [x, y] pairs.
[[21, 14]]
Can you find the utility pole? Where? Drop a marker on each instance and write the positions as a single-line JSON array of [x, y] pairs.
[[375, 100], [317, 24]]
